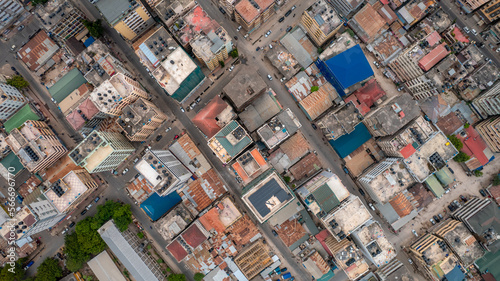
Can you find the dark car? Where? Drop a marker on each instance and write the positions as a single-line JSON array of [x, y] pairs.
[[436, 218], [222, 11], [314, 126], [463, 198], [158, 138], [451, 170], [13, 68], [97, 199], [483, 193], [288, 29], [235, 37], [258, 48], [274, 232], [451, 208], [83, 212], [281, 19], [361, 191], [72, 223], [345, 169], [288, 13], [284, 269]]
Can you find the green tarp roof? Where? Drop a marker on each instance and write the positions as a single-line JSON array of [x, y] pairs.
[[326, 198], [11, 160], [24, 114], [67, 84], [231, 149], [490, 262], [445, 176], [434, 185]]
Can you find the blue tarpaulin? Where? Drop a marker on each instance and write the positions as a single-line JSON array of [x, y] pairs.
[[156, 206], [89, 41], [346, 144]]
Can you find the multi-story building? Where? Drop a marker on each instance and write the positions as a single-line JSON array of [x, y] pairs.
[[129, 18], [471, 5], [251, 14], [228, 6], [490, 132], [163, 171], [421, 87], [345, 6], [170, 10], [140, 119], [172, 67], [116, 93], [321, 22], [38, 51], [10, 11], [127, 247], [10, 100], [488, 103], [209, 41], [36, 145], [86, 117], [101, 151], [62, 20]]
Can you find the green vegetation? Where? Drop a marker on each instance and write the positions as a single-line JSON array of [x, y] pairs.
[[49, 270], [176, 277], [478, 173], [496, 180], [94, 27], [467, 125], [140, 235], [234, 53], [160, 261], [287, 179], [198, 276], [16, 273], [314, 89], [36, 2], [18, 82], [456, 142], [348, 30], [320, 50], [461, 157], [85, 241], [222, 63]]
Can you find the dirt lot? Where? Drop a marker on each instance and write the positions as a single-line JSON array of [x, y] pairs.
[[467, 186]]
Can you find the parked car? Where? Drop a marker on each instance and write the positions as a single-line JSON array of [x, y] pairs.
[[483, 192], [361, 191], [269, 77], [457, 204], [451, 207], [198, 99], [285, 276], [451, 170], [274, 232], [231, 68], [288, 13], [414, 232], [222, 11], [284, 269], [401, 88], [432, 221], [71, 224], [463, 198], [136, 160], [239, 28], [29, 265], [114, 172], [293, 8], [376, 64], [436, 219], [21, 27], [345, 169], [371, 206], [270, 46], [268, 33], [440, 216], [235, 37], [13, 68], [176, 137], [258, 49], [466, 29], [410, 261], [182, 109], [83, 212], [125, 171], [288, 29], [474, 31], [89, 206], [314, 126], [97, 199], [281, 19]]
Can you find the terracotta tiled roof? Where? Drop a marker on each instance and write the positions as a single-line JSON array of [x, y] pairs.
[[38, 47], [75, 120], [495, 193], [176, 249], [194, 236], [209, 181], [205, 119], [433, 38], [290, 232], [401, 205], [306, 167], [210, 220], [433, 57], [88, 108], [474, 145], [449, 123], [61, 168], [242, 231], [295, 147]]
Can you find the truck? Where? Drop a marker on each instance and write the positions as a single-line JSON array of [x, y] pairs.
[[29, 265], [285, 276]]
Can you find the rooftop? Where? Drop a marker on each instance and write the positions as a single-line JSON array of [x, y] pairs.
[[105, 268], [250, 10], [27, 218], [174, 222], [341, 121], [433, 57], [254, 259], [422, 195], [156, 206], [171, 9], [249, 165], [204, 190], [297, 43], [86, 148], [386, 47], [74, 99], [450, 123], [430, 157], [114, 10], [22, 115], [140, 189], [367, 23], [213, 117], [368, 96], [372, 237], [194, 235], [260, 110], [389, 118], [301, 84], [283, 60], [461, 241], [137, 115], [306, 167], [475, 147], [245, 87], [266, 195], [351, 260], [187, 152], [319, 101], [70, 82], [84, 112], [66, 191], [387, 180], [291, 231], [349, 216], [279, 128], [295, 147], [221, 216], [229, 141], [154, 47], [324, 15], [413, 11], [38, 50]]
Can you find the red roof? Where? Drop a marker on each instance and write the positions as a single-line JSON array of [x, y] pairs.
[[205, 119], [495, 193], [193, 236], [176, 249], [88, 108], [459, 35], [385, 2], [75, 120], [474, 145], [407, 151], [366, 96], [35, 52], [433, 38], [321, 236], [433, 57]]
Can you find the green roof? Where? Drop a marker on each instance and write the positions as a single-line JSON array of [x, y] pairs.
[[23, 115], [490, 262], [434, 185], [11, 160], [445, 176], [231, 149], [67, 84], [326, 198]]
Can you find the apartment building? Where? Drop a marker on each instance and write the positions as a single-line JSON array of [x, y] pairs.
[[488, 103], [36, 145], [421, 87], [251, 14], [129, 18], [10, 11], [62, 19], [470, 6], [490, 12], [10, 101], [116, 93], [345, 7], [140, 119], [490, 132], [321, 22], [101, 151]]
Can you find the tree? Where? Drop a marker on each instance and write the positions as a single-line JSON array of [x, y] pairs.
[[49, 270], [221, 63], [478, 173], [36, 2], [461, 157], [466, 125], [94, 27], [320, 50], [122, 217], [496, 180], [18, 81], [7, 273], [456, 142], [88, 237], [176, 277], [314, 89], [76, 257], [234, 53], [199, 276]]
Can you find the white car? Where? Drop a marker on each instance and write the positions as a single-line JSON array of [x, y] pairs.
[[268, 33], [414, 232], [239, 28], [474, 31], [269, 77], [282, 79], [371, 206], [497, 50], [168, 129], [182, 109], [125, 171], [88, 207], [231, 68], [410, 261], [466, 29], [270, 46]]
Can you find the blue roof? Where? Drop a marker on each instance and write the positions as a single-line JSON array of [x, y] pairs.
[[455, 274], [346, 144], [89, 41], [348, 68], [156, 206]]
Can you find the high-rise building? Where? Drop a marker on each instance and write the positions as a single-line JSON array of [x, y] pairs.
[[321, 22], [345, 6], [488, 103], [490, 132], [140, 119], [421, 87], [116, 93], [471, 5], [101, 151], [129, 18], [62, 19], [163, 171], [10, 100], [251, 14], [10, 11], [36, 145]]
